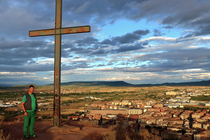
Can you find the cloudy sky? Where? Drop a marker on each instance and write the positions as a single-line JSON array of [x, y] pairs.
[[137, 41]]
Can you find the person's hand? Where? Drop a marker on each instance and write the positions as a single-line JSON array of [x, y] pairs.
[[26, 114]]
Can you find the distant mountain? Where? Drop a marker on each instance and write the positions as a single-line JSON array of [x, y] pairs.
[[118, 83], [198, 83], [98, 83], [122, 83], [5, 85], [17, 86]]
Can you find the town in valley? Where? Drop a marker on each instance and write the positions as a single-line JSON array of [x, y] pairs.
[[169, 112]]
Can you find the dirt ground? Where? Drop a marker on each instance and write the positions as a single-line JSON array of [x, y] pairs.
[[45, 131], [68, 111], [199, 106], [62, 99]]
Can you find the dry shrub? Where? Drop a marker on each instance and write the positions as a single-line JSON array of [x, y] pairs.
[[155, 137], [1, 122], [113, 136], [87, 123], [106, 136], [144, 133], [3, 136], [135, 136], [109, 135], [83, 123], [118, 133], [95, 136]]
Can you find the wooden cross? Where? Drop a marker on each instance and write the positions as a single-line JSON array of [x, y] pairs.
[[58, 31]]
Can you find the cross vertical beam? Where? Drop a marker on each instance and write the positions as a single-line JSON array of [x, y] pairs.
[[57, 66]]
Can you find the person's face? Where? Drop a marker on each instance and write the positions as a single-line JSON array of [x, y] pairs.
[[31, 89]]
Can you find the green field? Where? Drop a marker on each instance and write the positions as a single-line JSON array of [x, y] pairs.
[[201, 98]]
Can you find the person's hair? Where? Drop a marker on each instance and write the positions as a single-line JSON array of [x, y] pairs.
[[31, 86]]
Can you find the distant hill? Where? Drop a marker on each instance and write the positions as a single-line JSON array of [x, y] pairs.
[[198, 83], [116, 84], [122, 83], [98, 83], [5, 85]]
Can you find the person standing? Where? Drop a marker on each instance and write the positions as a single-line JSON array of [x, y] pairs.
[[29, 106]]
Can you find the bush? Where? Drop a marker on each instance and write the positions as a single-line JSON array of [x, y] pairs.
[[3, 136], [144, 133], [46, 116], [95, 136], [118, 133]]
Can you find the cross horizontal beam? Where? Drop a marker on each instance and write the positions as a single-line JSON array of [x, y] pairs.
[[69, 30]]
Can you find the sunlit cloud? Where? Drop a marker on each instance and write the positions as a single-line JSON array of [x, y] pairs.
[[16, 73]]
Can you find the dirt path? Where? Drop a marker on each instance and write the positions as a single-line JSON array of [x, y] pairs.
[[45, 131]]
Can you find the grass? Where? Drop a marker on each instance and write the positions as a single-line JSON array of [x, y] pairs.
[[194, 108], [201, 98], [9, 115]]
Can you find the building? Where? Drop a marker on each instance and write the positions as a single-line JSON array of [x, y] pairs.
[[206, 125], [153, 109], [157, 105], [197, 125], [134, 111], [173, 105], [205, 104], [171, 93], [200, 136], [125, 102], [105, 112]]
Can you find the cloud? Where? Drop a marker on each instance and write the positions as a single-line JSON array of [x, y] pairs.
[[30, 15], [117, 79], [128, 48], [169, 20], [157, 33], [92, 46], [172, 13], [175, 60], [16, 73], [127, 38], [202, 30], [187, 70], [158, 38], [24, 79], [31, 56], [24, 51], [69, 73], [99, 52], [86, 41], [168, 27]]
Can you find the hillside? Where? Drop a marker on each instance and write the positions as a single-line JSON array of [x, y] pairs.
[[45, 131], [98, 83], [122, 83], [197, 83], [115, 84]]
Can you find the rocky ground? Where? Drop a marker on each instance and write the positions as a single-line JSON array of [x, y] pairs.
[[45, 131]]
